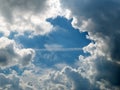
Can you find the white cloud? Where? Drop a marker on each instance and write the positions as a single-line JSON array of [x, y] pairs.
[[13, 82], [27, 16], [46, 79]]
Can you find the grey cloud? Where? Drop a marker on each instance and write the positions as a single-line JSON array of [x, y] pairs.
[[108, 71], [105, 16], [101, 19], [79, 82], [7, 54], [9, 7], [25, 16], [9, 83], [12, 82], [102, 74], [27, 57], [11, 54]]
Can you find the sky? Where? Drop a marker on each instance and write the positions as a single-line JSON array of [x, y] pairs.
[[59, 44]]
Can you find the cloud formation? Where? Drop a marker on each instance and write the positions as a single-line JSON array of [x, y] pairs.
[[13, 82], [27, 16], [98, 71], [11, 53], [101, 20], [9, 83]]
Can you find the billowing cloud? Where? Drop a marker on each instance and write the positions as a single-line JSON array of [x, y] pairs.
[[97, 71], [13, 82], [27, 16], [65, 79], [9, 83], [101, 20], [11, 53], [46, 79], [9, 7]]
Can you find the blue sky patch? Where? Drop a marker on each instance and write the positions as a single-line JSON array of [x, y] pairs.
[[64, 35]]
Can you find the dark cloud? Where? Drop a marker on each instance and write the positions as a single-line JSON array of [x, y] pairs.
[[79, 82], [101, 19], [105, 16], [115, 51], [108, 71]]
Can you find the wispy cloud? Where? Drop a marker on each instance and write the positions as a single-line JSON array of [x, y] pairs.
[[59, 49]]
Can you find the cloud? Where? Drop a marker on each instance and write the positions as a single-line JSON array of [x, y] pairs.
[[79, 83], [9, 83], [46, 79], [27, 16], [13, 82], [8, 7], [58, 48], [36, 78], [101, 20], [12, 54], [65, 79], [98, 71]]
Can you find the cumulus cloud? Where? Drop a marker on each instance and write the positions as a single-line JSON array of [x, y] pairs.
[[13, 82], [8, 83], [99, 71], [27, 16], [46, 79], [65, 79], [101, 20], [11, 53]]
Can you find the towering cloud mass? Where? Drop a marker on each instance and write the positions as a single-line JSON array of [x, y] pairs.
[[101, 19]]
